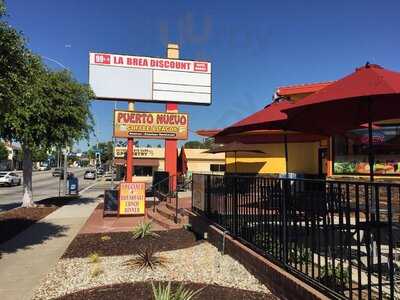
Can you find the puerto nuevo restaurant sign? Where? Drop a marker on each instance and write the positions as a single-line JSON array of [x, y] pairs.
[[150, 125]]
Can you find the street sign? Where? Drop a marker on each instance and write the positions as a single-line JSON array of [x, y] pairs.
[[150, 125], [132, 196], [149, 79]]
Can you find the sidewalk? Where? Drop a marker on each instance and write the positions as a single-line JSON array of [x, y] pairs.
[[29, 256]]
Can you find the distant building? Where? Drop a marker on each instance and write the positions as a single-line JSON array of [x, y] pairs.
[[12, 162]]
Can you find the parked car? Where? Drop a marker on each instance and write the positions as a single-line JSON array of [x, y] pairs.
[[44, 168], [100, 171], [9, 178], [58, 172], [90, 174], [110, 175]]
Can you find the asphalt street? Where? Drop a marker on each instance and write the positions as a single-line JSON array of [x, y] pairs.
[[44, 186]]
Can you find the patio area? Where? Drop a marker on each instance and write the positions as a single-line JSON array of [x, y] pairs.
[[341, 237]]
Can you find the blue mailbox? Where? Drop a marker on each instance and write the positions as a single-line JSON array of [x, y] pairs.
[[73, 185]]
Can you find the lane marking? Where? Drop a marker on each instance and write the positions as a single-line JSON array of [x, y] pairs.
[[88, 187]]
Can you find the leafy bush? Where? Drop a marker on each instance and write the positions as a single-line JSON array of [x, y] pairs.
[[299, 256], [146, 258], [97, 270], [94, 257], [105, 238], [165, 293], [143, 230], [333, 277]]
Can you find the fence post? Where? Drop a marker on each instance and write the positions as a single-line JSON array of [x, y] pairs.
[[208, 194], [235, 206], [176, 206], [285, 195]]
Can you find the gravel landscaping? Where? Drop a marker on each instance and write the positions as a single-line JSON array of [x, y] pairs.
[[199, 263]]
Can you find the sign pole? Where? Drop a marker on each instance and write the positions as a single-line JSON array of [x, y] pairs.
[[171, 145], [129, 151]]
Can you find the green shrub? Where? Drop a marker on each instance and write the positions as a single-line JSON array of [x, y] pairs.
[[146, 258], [298, 256], [94, 257], [165, 293], [96, 271], [333, 276], [143, 230], [105, 238]]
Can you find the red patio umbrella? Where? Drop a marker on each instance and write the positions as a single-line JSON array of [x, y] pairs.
[[269, 118], [369, 94]]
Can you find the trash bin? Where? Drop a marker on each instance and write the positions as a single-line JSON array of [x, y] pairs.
[[73, 183]]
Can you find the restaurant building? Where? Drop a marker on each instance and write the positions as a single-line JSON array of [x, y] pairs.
[[149, 160], [344, 155]]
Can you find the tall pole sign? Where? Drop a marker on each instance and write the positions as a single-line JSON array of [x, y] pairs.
[[154, 80], [171, 145], [129, 152]]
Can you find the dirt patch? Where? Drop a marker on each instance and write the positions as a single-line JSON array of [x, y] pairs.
[[122, 243], [12, 222], [143, 291]]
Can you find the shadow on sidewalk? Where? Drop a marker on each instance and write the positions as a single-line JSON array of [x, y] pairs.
[[8, 206], [37, 234]]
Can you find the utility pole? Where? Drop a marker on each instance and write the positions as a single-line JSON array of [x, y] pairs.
[[65, 170]]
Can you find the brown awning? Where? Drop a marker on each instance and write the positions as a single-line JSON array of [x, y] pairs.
[[139, 162]]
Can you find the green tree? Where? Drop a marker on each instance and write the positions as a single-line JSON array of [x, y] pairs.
[[194, 145], [39, 155], [3, 152], [106, 150], [39, 108]]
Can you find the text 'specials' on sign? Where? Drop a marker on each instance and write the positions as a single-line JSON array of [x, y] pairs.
[[150, 125], [132, 196]]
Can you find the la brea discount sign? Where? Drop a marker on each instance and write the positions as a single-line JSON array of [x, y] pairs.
[[140, 78]]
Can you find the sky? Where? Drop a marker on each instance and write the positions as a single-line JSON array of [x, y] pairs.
[[254, 46]]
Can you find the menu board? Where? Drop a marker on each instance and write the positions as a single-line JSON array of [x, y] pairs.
[[132, 197], [110, 202]]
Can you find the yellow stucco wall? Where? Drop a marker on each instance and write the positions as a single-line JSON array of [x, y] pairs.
[[303, 158]]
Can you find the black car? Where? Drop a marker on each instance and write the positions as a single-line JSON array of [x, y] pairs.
[[58, 172]]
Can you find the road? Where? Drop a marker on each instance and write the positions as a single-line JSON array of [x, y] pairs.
[[44, 186]]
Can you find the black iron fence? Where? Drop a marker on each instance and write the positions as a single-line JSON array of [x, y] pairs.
[[341, 237]]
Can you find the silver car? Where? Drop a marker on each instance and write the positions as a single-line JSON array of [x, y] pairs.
[[9, 178], [90, 174]]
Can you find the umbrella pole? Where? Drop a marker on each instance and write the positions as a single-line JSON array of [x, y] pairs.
[[370, 146], [235, 162], [286, 154]]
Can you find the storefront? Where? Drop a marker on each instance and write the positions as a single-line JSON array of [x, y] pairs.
[[343, 155], [149, 160], [350, 151]]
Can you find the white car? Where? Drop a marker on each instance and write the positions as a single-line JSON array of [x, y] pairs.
[[9, 178], [90, 174], [44, 168]]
